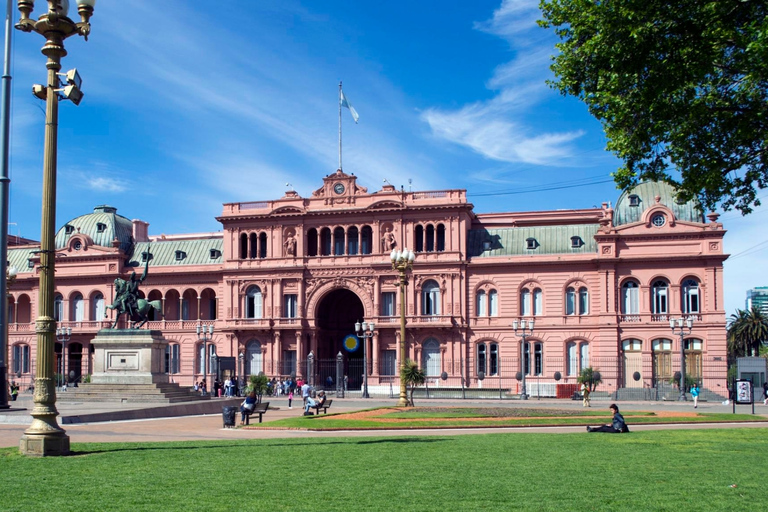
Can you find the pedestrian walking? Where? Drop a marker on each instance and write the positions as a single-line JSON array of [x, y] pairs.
[[290, 398], [585, 395], [695, 395]]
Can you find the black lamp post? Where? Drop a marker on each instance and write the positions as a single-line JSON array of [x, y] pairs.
[[522, 329], [681, 326], [365, 331], [205, 335]]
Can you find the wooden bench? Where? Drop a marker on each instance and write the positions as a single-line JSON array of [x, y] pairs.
[[260, 409], [324, 407]]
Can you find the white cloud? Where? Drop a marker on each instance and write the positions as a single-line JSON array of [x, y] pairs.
[[106, 184], [496, 128]]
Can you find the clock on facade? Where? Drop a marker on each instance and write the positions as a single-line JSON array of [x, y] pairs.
[[338, 188]]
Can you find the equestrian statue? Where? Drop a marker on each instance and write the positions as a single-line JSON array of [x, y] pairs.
[[129, 303]]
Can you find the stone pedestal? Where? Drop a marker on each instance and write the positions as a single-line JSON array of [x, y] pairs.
[[129, 356]]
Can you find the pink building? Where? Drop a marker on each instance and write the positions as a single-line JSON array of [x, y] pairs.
[[291, 276]]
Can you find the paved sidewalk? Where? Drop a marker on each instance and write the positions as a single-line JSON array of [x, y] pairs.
[[210, 427]]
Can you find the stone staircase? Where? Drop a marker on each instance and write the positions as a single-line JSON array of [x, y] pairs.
[[159, 393]]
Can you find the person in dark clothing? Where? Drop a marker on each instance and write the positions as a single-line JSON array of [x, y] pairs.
[[249, 404], [616, 427]]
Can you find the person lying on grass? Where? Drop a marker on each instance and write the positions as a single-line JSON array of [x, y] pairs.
[[616, 427]]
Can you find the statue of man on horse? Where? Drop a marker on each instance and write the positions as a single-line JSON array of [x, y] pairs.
[[128, 302]]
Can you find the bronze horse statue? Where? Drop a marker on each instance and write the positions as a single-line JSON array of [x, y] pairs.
[[127, 301]]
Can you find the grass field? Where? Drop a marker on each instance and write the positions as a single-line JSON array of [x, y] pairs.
[[444, 417], [650, 470]]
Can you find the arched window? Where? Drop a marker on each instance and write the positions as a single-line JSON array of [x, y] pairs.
[[440, 237], [659, 304], [662, 360], [488, 358], [481, 303], [583, 301], [430, 358], [253, 303], [58, 307], [430, 238], [312, 242], [97, 306], [538, 302], [172, 358], [263, 245], [577, 354], [77, 307], [253, 359], [338, 241], [570, 301], [254, 246], [630, 298], [418, 234], [366, 240], [690, 291], [201, 363], [430, 298], [493, 302], [20, 359], [525, 302], [325, 242], [352, 240], [243, 246]]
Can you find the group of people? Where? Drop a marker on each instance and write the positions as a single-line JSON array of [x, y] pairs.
[[227, 388]]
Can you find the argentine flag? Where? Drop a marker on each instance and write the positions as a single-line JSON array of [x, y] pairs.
[[346, 103]]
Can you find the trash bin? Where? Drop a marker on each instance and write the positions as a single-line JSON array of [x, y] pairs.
[[229, 414]]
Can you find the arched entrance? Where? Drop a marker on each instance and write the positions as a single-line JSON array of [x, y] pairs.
[[336, 316]]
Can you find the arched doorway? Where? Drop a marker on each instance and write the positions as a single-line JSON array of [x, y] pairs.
[[336, 316]]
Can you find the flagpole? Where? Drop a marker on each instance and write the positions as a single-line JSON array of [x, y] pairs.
[[339, 124]]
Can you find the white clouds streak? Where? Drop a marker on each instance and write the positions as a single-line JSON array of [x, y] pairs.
[[495, 128]]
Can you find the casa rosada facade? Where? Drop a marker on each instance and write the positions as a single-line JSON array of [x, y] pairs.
[[290, 277]]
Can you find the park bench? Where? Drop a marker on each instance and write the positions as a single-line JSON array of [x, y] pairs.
[[324, 407], [260, 409]]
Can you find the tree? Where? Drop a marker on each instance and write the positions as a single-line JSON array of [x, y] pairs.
[[678, 85], [590, 377], [258, 384], [413, 376], [747, 330]]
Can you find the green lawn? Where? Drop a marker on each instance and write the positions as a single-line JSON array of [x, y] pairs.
[[442, 417], [654, 470]]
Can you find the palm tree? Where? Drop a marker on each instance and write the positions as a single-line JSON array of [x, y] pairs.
[[590, 377], [746, 331], [413, 376]]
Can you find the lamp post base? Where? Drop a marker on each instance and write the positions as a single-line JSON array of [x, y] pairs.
[[403, 402], [523, 396], [44, 444], [682, 398]]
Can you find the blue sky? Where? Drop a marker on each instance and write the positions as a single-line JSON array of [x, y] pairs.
[[189, 105]]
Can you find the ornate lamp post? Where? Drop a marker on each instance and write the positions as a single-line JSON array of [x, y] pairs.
[[205, 334], [680, 327], [522, 329], [63, 335], [44, 436], [365, 331], [402, 262]]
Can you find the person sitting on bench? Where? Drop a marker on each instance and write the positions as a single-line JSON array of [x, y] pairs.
[[248, 405], [616, 427], [315, 402]]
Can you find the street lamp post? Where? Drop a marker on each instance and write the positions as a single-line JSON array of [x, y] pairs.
[[402, 262], [205, 334], [680, 327], [10, 278], [63, 335], [44, 436], [522, 329], [365, 331]]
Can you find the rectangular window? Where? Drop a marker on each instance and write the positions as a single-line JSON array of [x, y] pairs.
[[493, 301], [289, 362], [583, 301], [184, 309], [493, 360], [481, 303], [570, 301], [481, 358], [525, 303], [290, 306], [388, 362], [388, 304], [172, 358], [16, 358], [538, 302], [538, 361]]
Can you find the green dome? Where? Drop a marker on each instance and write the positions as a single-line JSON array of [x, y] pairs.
[[633, 202], [103, 226]]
